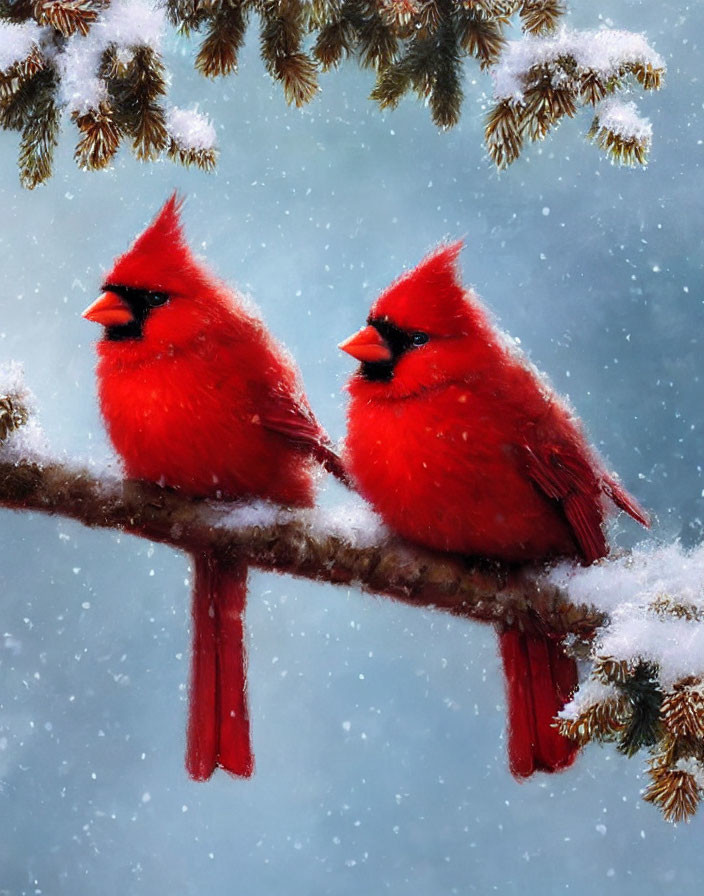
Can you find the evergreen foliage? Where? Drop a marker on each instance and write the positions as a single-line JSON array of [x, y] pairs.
[[414, 46], [628, 704]]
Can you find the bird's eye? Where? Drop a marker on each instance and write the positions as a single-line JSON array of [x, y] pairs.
[[157, 298], [419, 338]]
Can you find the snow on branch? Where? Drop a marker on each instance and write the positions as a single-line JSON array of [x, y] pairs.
[[540, 80], [621, 131], [331, 546], [346, 546], [99, 62], [639, 617], [17, 42], [646, 688], [193, 137]]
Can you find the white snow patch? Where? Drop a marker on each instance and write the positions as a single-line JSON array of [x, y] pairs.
[[190, 129], [626, 589], [12, 383], [692, 767], [623, 119], [603, 52], [261, 514], [26, 443], [353, 521], [28, 440], [131, 23], [17, 41], [126, 24], [647, 572], [29, 443], [589, 694]]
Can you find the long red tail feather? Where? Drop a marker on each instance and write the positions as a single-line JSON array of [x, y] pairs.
[[218, 725], [540, 678]]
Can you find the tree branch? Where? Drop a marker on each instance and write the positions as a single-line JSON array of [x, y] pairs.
[[645, 692], [298, 543]]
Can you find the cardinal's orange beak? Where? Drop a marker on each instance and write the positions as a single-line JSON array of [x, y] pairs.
[[367, 345], [109, 310]]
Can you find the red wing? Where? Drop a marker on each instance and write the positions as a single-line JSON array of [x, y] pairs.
[[624, 501], [295, 420], [571, 480], [292, 418]]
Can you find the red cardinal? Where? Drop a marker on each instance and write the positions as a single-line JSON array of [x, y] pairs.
[[460, 446], [197, 396]]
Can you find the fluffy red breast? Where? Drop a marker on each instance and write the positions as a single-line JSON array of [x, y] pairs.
[[457, 440], [189, 402]]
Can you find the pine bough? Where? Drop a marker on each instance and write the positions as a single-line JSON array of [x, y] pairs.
[[100, 64]]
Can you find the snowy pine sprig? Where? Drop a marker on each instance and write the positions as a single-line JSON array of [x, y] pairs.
[[620, 131], [99, 63], [646, 688], [542, 79], [13, 409], [20, 433]]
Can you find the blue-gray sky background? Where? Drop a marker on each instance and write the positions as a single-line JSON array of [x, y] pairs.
[[378, 729]]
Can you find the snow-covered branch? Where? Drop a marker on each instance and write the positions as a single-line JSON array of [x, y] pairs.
[[100, 63], [639, 617], [541, 79], [344, 546], [646, 687], [332, 546]]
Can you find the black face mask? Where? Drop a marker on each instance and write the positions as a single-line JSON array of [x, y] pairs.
[[141, 302], [399, 342]]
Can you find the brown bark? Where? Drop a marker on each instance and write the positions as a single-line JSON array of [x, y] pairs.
[[475, 589]]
